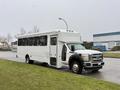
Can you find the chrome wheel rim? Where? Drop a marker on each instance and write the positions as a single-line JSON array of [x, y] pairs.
[[75, 68]]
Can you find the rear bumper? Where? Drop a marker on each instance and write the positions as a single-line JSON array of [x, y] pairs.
[[95, 65]]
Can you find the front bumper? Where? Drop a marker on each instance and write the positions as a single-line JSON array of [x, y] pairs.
[[93, 65]]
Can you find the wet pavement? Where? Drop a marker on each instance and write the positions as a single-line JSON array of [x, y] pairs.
[[110, 72], [10, 56]]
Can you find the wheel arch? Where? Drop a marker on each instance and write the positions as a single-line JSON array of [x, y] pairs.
[[75, 57], [26, 56]]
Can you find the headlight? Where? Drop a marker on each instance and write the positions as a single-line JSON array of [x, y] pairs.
[[86, 57], [90, 57]]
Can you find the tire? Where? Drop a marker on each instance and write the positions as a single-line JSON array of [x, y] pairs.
[[28, 61], [76, 67]]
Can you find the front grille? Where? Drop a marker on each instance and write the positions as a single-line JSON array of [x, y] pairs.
[[97, 57], [95, 64]]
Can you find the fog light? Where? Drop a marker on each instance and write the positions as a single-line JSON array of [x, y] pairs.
[[102, 63]]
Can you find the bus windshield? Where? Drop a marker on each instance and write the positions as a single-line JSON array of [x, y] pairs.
[[77, 46]]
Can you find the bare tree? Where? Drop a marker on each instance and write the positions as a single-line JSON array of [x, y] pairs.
[[9, 38], [3, 39], [35, 29], [22, 31]]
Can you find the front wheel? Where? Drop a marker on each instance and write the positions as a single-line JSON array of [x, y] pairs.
[[76, 67]]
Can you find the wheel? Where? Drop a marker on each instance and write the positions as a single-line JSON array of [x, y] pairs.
[[28, 61], [76, 67]]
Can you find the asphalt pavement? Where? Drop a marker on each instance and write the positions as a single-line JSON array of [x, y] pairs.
[[110, 71]]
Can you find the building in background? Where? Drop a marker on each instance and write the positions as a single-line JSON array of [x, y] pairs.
[[14, 46], [106, 41], [4, 45]]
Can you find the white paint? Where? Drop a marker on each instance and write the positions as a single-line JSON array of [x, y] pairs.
[[44, 53]]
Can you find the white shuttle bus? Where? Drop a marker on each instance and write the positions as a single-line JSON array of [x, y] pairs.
[[59, 49]]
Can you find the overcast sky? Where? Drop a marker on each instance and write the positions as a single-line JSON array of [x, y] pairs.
[[85, 16]]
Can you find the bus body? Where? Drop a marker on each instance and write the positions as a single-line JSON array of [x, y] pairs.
[[59, 49]]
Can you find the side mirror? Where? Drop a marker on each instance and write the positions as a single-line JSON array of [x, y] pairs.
[[72, 48]]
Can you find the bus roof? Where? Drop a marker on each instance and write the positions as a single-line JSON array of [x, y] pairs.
[[44, 33]]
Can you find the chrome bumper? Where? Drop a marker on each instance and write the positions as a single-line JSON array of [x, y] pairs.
[[90, 65]]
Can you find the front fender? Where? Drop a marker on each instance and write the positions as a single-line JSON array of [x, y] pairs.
[[75, 57]]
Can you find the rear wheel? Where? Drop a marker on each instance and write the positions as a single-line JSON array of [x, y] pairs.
[[76, 67], [28, 61]]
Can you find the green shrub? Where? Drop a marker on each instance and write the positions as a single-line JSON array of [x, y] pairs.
[[98, 49], [116, 48]]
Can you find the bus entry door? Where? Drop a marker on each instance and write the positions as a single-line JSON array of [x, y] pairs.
[[53, 50]]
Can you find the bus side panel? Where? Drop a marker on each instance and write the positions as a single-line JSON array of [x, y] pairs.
[[22, 51], [39, 53]]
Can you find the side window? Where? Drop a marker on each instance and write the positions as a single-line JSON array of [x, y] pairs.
[[22, 42], [19, 42], [33, 41], [64, 50], [30, 41], [36, 43], [25, 41], [43, 41], [53, 41]]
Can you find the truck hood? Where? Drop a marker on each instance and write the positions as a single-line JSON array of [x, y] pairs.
[[87, 52]]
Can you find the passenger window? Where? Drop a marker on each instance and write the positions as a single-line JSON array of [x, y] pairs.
[[33, 41], [19, 42], [30, 41], [53, 40], [64, 50], [43, 40]]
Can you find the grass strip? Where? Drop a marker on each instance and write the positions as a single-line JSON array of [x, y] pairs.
[[111, 55], [21, 76]]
